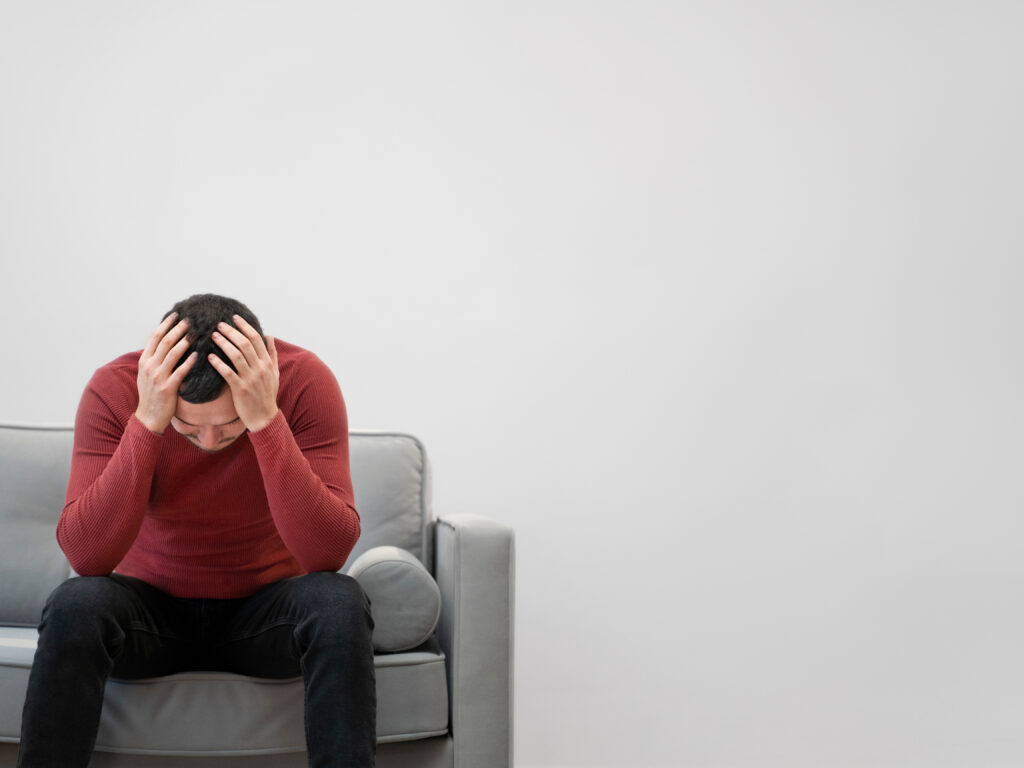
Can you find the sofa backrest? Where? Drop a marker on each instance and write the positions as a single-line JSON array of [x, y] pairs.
[[391, 479], [390, 475], [34, 466]]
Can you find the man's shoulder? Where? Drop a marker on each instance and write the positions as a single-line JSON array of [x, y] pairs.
[[293, 359], [128, 360], [120, 369], [303, 375], [112, 390], [288, 352]]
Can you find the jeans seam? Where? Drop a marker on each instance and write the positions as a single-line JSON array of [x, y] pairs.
[[284, 622], [133, 627]]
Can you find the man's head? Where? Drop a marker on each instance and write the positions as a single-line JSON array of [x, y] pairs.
[[206, 415], [203, 311]]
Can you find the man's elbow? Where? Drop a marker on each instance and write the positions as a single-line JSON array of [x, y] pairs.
[[90, 566], [333, 558], [85, 564]]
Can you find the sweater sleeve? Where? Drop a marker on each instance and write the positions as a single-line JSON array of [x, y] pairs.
[[112, 468], [305, 466]]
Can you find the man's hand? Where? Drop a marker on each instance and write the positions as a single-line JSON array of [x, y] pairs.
[[158, 379], [254, 386]]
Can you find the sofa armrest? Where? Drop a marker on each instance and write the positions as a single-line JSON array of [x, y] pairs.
[[475, 569]]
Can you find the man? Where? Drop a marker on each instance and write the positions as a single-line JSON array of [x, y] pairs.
[[214, 544]]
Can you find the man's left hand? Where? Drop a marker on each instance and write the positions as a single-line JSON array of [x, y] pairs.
[[254, 386]]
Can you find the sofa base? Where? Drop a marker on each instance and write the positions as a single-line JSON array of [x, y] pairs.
[[424, 753]]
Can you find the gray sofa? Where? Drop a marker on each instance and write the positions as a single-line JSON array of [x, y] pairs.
[[447, 701]]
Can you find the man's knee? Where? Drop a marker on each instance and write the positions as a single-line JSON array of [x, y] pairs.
[[84, 594], [78, 604], [327, 588], [332, 597]]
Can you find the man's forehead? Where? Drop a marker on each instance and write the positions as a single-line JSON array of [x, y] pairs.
[[216, 413], [195, 424]]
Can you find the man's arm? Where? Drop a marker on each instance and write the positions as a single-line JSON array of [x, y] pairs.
[[304, 464], [115, 453]]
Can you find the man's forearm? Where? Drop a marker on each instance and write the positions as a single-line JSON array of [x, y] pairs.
[[318, 523], [99, 524]]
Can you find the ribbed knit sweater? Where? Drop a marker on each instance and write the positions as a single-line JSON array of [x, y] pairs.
[[275, 503]]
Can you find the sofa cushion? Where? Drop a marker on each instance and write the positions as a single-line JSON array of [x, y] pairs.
[[34, 465], [391, 481], [206, 713], [404, 597]]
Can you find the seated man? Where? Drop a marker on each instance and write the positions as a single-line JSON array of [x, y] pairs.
[[213, 545]]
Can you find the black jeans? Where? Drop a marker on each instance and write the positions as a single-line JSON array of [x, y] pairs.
[[317, 625]]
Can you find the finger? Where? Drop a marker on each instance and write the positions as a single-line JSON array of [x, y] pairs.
[[231, 351], [272, 350], [159, 333], [170, 339], [174, 354], [240, 341], [252, 335], [223, 369], [182, 370]]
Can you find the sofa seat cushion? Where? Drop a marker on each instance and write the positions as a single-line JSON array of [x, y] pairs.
[[216, 713]]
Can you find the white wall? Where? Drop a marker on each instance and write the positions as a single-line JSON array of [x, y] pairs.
[[718, 304]]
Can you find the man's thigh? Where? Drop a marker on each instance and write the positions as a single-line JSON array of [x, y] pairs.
[[145, 631], [266, 634]]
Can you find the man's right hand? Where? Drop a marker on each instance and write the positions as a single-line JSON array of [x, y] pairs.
[[159, 380]]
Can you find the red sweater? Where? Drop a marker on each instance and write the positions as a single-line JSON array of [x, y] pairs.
[[275, 503]]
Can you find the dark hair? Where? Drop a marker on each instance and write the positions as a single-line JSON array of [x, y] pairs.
[[203, 311]]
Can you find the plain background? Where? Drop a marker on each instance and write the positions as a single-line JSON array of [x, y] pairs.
[[718, 304]]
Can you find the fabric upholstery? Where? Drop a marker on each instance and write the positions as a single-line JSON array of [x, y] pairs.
[[404, 598], [391, 479], [434, 752], [34, 466], [475, 561]]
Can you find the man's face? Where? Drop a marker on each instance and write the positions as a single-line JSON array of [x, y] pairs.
[[211, 426]]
